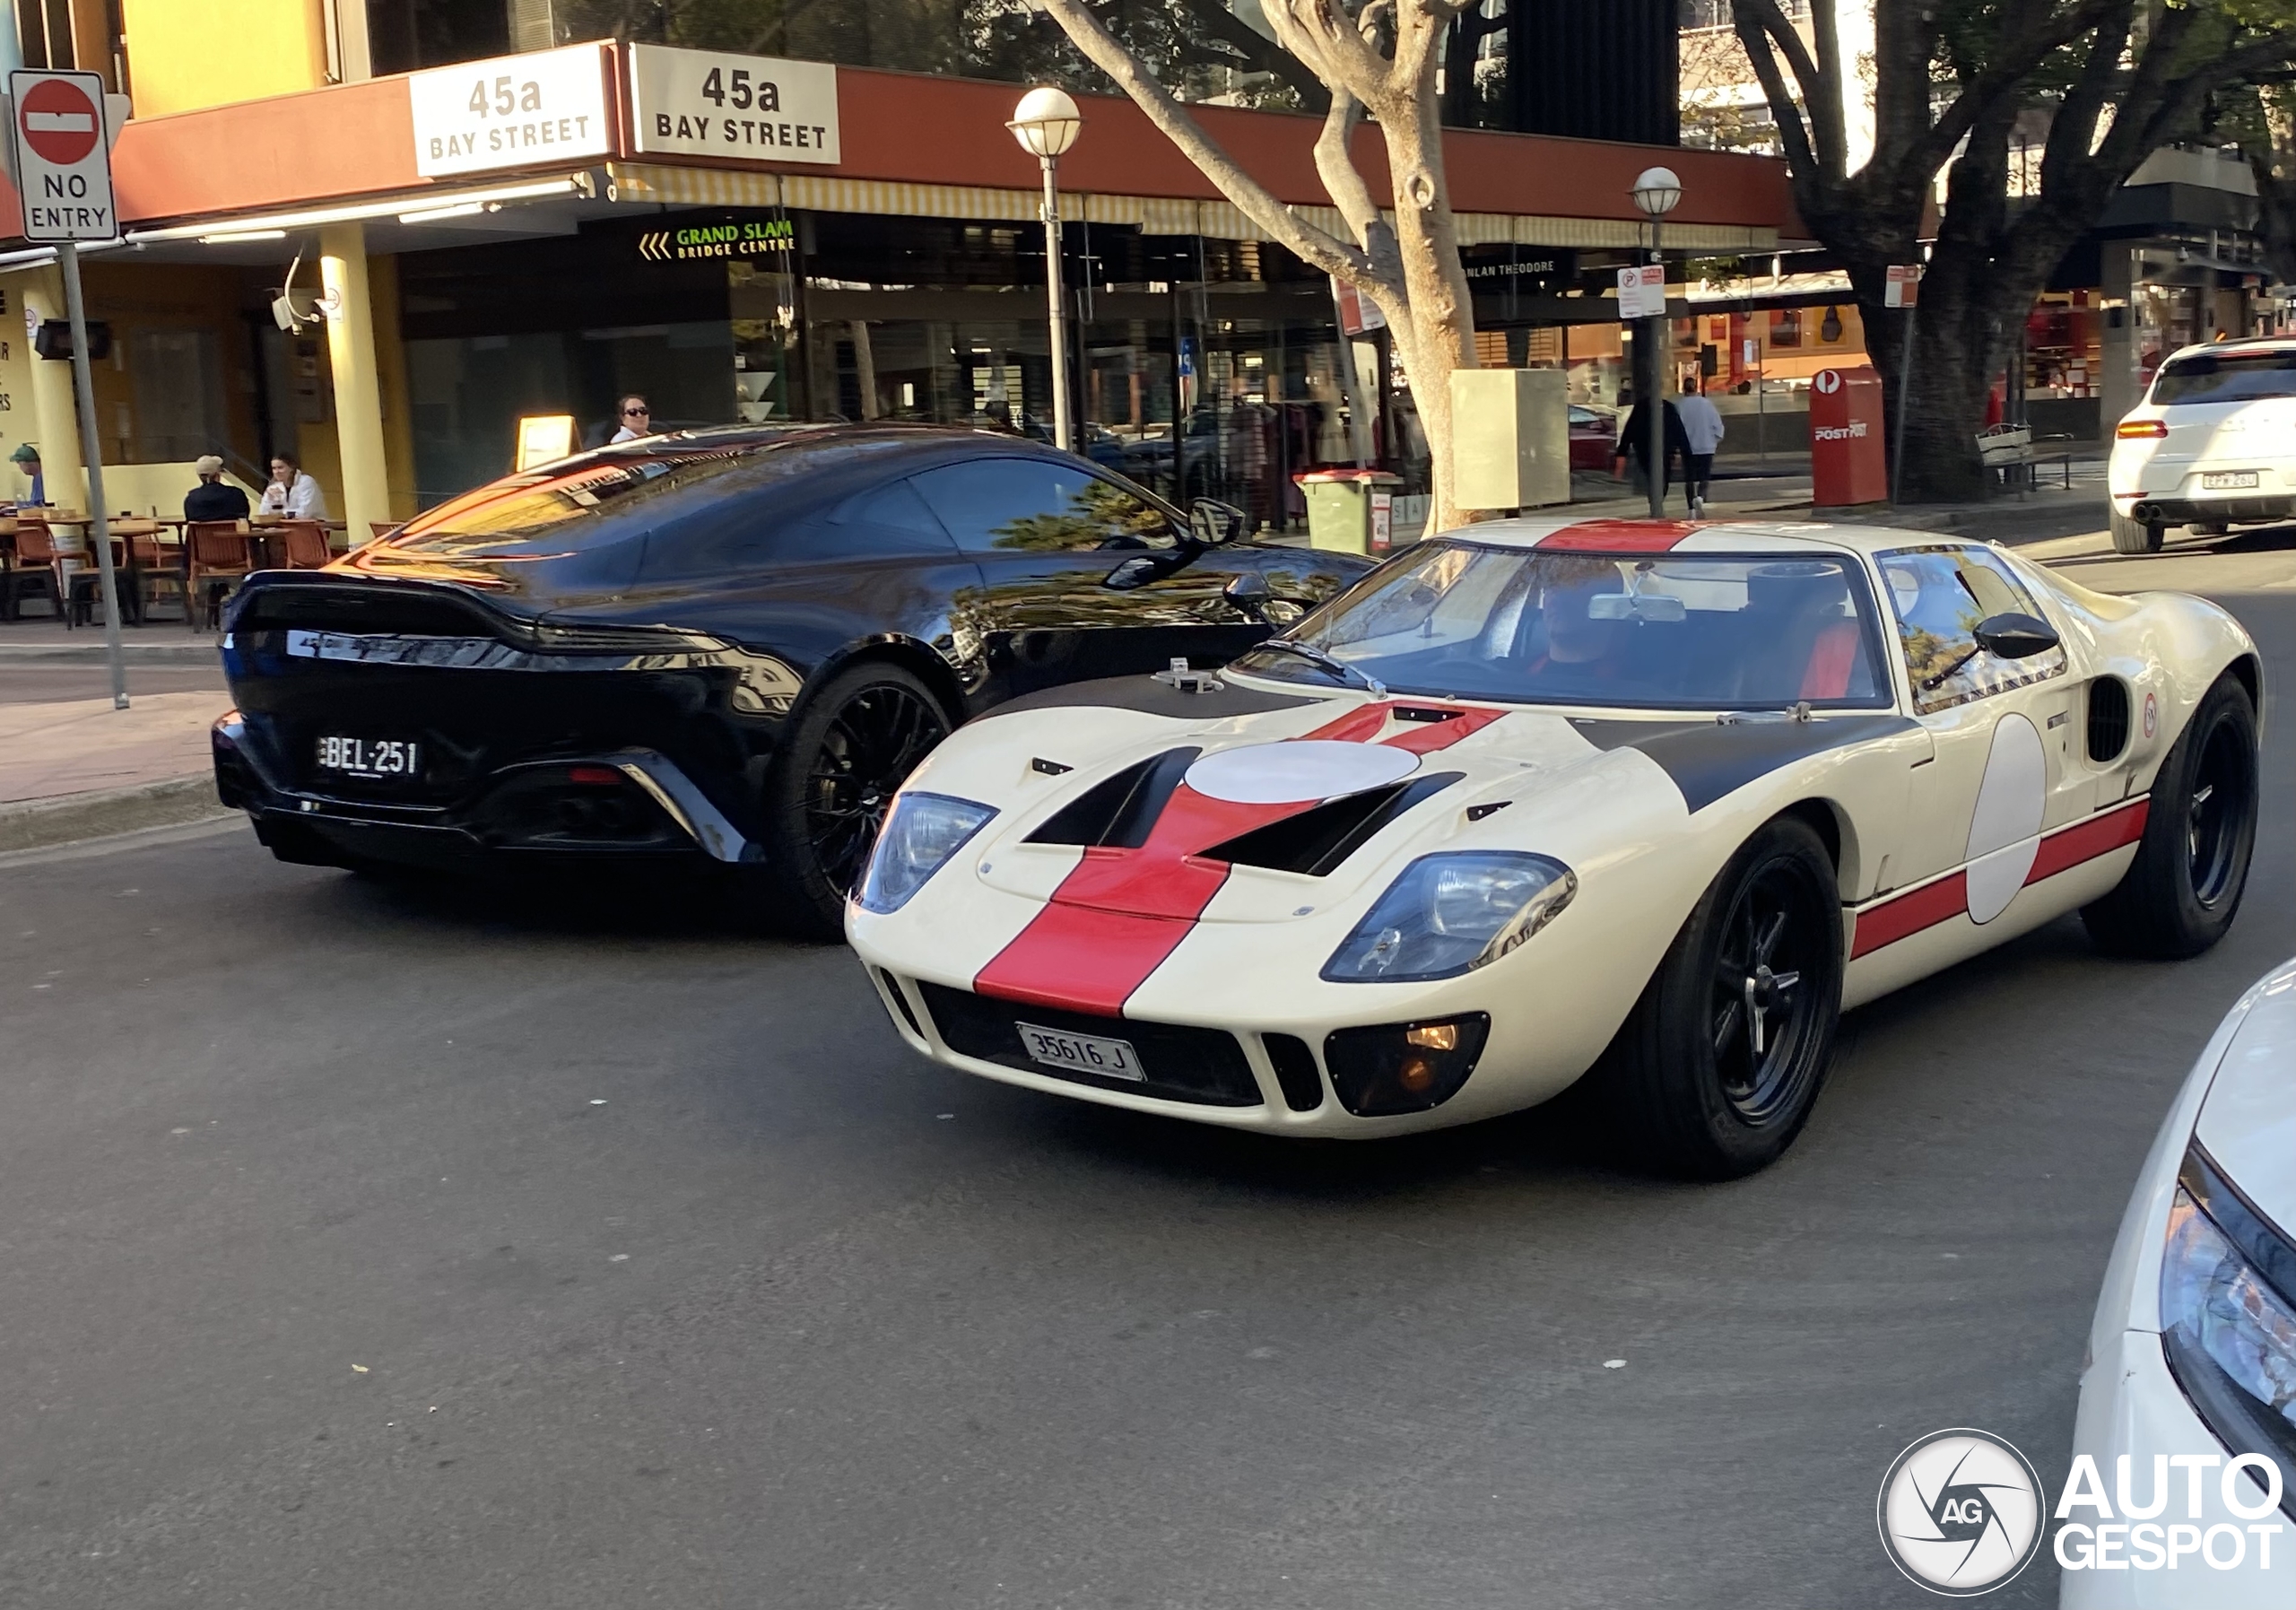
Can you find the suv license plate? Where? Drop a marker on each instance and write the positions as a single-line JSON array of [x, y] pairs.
[[371, 757], [2228, 480], [1081, 1053]]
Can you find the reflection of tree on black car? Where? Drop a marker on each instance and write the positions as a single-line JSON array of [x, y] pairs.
[[731, 644]]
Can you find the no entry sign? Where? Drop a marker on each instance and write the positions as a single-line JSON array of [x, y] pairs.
[[63, 161]]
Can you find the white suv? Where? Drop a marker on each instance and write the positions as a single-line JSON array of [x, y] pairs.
[[2213, 444]]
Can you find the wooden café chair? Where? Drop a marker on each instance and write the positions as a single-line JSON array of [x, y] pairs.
[[215, 561], [33, 571], [305, 544]]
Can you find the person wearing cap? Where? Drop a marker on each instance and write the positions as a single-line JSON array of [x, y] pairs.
[[213, 499], [27, 459]]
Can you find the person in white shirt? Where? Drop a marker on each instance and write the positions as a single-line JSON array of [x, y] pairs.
[[637, 419], [291, 491], [1702, 430]]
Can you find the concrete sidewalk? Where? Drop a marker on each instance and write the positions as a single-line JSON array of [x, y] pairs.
[[74, 767]]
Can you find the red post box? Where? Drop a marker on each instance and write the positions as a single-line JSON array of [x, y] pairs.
[[1848, 464]]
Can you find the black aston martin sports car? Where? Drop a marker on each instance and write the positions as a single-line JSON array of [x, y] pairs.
[[725, 645]]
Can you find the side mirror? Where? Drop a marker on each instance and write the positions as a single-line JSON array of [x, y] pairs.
[[1133, 572], [2015, 636], [1212, 524]]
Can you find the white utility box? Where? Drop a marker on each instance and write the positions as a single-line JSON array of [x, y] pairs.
[[1510, 437]]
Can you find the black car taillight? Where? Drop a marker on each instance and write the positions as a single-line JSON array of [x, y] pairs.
[[1404, 1068]]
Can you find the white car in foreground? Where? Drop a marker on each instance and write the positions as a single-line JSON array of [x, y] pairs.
[[2188, 1411], [2213, 444]]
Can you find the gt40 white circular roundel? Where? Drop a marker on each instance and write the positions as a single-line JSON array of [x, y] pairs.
[[1299, 771], [2004, 830]]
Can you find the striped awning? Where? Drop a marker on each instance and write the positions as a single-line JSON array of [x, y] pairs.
[[1154, 216]]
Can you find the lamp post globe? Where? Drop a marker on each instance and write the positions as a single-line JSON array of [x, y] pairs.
[[1047, 123], [1657, 191]]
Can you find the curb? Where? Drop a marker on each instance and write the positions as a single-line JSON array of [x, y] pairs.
[[36, 823], [203, 652]]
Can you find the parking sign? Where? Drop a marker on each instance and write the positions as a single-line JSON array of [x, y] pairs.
[[63, 161]]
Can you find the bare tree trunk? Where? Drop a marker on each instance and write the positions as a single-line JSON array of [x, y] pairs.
[[1439, 330]]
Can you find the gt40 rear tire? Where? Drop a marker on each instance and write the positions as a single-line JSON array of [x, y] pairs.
[[1719, 1063], [2183, 890], [2130, 536], [849, 748]]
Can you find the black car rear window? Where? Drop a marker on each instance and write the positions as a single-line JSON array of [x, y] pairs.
[[2226, 377], [594, 497]]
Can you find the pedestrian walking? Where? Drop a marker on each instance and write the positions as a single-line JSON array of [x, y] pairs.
[[1702, 432], [1634, 443], [213, 499], [292, 492], [637, 419]]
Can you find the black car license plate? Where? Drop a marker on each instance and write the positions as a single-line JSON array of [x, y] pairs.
[[369, 757]]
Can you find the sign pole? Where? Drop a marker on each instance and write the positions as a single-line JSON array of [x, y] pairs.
[[99, 531], [1654, 463], [1903, 290]]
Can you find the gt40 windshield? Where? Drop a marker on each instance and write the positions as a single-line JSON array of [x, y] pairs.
[[1652, 630]]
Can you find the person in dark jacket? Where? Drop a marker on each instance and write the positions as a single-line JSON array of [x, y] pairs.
[[213, 499], [1634, 442]]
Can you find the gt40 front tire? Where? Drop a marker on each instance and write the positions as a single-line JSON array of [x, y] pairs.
[[1717, 1068]]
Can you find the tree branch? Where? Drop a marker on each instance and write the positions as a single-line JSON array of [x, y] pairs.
[[1802, 165], [1259, 52], [1313, 245], [1829, 129]]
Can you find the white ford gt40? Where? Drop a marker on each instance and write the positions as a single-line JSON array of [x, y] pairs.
[[1652, 799]]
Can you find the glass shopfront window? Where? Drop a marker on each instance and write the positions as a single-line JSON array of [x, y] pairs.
[[1201, 367]]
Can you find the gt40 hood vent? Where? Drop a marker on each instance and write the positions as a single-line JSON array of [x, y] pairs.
[[1321, 837], [1119, 812]]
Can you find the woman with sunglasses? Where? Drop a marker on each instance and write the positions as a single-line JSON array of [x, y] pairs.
[[637, 419]]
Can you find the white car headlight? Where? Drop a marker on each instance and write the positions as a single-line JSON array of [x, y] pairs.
[[1450, 913], [924, 830], [2228, 1319]]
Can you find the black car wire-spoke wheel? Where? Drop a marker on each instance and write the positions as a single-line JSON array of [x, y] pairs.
[[846, 752], [873, 741], [2183, 889], [1716, 1068]]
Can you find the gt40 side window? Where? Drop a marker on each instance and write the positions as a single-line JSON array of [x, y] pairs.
[[1939, 595], [1039, 505]]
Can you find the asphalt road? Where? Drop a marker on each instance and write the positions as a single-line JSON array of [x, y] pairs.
[[365, 1247]]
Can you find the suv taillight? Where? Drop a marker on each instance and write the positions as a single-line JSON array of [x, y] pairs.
[[2138, 430]]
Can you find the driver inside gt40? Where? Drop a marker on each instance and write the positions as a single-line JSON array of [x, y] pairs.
[[1583, 641]]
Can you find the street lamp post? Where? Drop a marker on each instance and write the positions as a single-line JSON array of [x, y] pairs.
[[1047, 123], [1657, 192]]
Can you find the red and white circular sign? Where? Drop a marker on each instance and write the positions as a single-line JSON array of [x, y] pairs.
[[60, 123], [1827, 382]]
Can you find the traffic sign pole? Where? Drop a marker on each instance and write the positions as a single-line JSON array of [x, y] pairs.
[[67, 255], [60, 157]]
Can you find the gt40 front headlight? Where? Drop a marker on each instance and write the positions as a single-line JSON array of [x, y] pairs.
[[1450, 913], [2228, 1319], [924, 830]]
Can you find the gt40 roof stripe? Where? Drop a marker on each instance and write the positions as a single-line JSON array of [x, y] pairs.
[[1617, 536]]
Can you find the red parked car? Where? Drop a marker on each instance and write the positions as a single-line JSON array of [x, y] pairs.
[[1594, 437]]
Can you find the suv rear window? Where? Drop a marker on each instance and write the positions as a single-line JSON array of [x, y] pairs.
[[2226, 377]]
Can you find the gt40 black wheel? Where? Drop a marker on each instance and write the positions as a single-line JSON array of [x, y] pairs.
[[851, 747], [2184, 888], [1718, 1064]]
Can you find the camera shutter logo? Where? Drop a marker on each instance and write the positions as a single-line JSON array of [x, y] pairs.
[[1961, 1512]]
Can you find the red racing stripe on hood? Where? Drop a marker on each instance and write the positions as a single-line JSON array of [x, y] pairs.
[[1617, 536], [1119, 913]]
